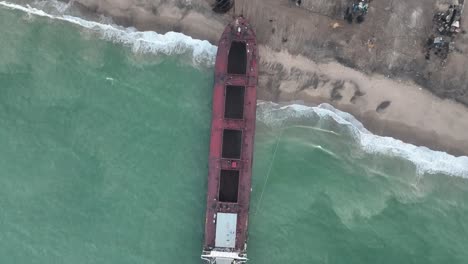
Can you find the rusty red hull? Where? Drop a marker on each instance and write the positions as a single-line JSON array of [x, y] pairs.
[[232, 137]]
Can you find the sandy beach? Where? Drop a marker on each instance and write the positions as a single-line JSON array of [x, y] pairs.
[[312, 56], [386, 107]]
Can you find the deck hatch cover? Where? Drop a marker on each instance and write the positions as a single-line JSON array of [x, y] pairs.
[[226, 225]]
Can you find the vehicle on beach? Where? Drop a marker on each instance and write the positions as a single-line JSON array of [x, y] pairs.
[[357, 10]]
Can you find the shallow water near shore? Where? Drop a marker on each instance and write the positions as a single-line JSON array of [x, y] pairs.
[[105, 150]]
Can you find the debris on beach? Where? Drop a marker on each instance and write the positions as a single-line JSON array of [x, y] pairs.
[[448, 22], [357, 10], [335, 25], [222, 6], [446, 26], [371, 43], [296, 2]]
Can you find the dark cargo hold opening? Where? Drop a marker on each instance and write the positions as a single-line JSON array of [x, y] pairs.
[[234, 103], [228, 186], [232, 143], [237, 59]]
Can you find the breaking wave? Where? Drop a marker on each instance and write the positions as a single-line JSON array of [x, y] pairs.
[[425, 159], [202, 52]]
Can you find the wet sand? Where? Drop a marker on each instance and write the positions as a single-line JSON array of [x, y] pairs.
[[386, 107], [294, 67]]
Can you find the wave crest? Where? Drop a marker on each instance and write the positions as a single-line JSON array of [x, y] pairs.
[[201, 51], [425, 159]]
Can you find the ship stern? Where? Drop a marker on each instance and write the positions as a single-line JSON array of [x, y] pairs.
[[222, 257]]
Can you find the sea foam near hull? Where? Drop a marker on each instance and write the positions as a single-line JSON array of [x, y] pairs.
[[202, 52]]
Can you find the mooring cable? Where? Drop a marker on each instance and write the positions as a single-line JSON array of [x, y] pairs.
[[269, 171]]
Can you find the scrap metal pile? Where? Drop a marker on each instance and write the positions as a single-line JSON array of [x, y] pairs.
[[446, 25]]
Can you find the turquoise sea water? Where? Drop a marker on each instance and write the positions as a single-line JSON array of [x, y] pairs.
[[104, 143]]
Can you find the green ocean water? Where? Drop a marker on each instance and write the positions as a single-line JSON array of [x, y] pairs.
[[104, 154]]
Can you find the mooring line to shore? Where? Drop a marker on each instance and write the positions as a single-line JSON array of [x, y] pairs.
[[269, 171]]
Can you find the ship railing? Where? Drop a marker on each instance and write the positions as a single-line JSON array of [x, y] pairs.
[[221, 257]]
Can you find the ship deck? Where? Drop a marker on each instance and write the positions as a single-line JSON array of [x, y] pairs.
[[232, 141]]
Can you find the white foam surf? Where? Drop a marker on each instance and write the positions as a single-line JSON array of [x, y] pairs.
[[425, 159], [201, 51]]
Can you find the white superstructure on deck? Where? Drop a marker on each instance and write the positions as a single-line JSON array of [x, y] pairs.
[[220, 257]]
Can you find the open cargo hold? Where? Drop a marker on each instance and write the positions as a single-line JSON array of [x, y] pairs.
[[231, 146]]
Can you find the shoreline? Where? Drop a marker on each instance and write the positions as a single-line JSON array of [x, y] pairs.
[[413, 114], [386, 107]]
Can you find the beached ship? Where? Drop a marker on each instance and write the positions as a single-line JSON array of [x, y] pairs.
[[231, 146]]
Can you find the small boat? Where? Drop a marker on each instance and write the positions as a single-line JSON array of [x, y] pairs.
[[231, 145]]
